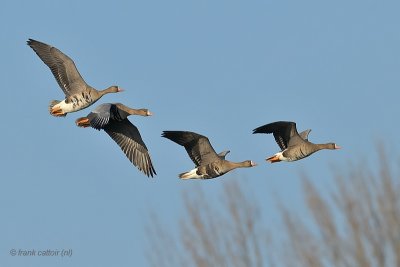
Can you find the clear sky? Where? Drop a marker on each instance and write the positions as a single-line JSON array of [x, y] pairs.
[[217, 67]]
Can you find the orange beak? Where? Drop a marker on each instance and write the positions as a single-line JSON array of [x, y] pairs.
[[57, 112], [273, 159]]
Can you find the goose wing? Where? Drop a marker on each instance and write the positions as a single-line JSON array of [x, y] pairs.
[[62, 67], [100, 116], [304, 134], [127, 136], [223, 154], [285, 133], [197, 146]]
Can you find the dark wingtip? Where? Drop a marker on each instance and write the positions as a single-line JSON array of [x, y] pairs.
[[150, 172], [165, 134], [265, 129], [257, 130], [30, 41], [174, 136]]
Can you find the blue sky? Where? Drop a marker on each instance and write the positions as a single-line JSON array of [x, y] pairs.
[[219, 68]]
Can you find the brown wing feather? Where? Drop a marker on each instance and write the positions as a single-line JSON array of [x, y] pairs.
[[283, 131], [197, 146], [127, 136], [62, 67]]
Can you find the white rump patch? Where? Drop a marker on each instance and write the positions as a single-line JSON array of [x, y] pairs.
[[190, 175]]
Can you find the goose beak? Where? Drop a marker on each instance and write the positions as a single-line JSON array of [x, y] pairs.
[[148, 113], [120, 89], [82, 122], [337, 147], [252, 163]]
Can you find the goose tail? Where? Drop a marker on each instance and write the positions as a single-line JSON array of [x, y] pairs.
[[190, 175], [54, 110]]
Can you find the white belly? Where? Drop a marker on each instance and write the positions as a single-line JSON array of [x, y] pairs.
[[281, 157], [191, 175], [72, 106]]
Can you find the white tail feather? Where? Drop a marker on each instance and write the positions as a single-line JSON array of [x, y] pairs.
[[190, 175]]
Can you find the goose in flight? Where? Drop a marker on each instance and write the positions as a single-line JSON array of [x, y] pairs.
[[78, 94], [208, 163], [294, 146], [113, 119]]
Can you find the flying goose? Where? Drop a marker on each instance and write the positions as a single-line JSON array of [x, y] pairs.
[[112, 118], [78, 94], [294, 146], [208, 163]]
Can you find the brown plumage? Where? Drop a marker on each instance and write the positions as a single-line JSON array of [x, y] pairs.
[[112, 118], [208, 163], [294, 146], [78, 94]]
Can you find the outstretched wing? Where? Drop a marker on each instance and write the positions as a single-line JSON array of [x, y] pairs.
[[62, 67], [223, 154], [197, 146], [283, 132], [304, 134], [127, 136], [100, 116]]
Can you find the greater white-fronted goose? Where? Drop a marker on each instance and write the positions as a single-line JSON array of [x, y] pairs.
[[78, 94], [208, 163], [294, 146], [112, 118]]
